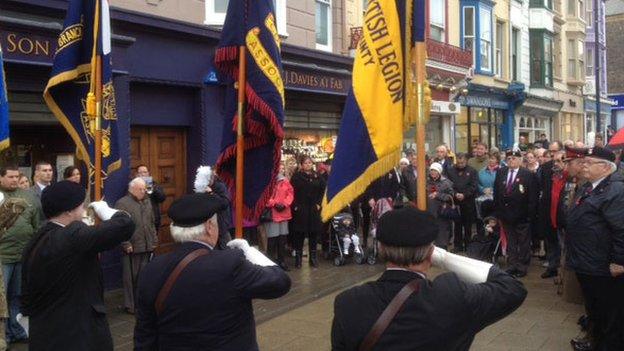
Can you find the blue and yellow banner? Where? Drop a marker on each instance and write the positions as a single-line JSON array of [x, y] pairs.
[[71, 80], [252, 23], [4, 108], [371, 132]]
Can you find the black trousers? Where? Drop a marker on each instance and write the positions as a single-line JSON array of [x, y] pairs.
[[553, 249], [299, 238], [518, 245], [605, 309], [463, 229]]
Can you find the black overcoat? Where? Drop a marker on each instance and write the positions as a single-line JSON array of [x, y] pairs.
[[63, 286], [595, 228], [306, 208], [209, 306], [445, 314], [465, 181], [520, 205]]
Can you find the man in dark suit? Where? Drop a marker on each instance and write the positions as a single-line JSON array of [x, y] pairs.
[[443, 314], [155, 192], [43, 177], [465, 185], [515, 201], [408, 177], [62, 277], [207, 305]]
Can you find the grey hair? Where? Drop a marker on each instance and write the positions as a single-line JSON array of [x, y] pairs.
[[404, 256], [184, 234], [135, 182], [613, 166]]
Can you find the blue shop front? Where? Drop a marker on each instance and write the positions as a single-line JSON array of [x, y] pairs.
[[487, 116], [169, 100]]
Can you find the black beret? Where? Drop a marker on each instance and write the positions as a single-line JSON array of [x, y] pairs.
[[516, 153], [602, 153], [407, 226], [60, 197], [574, 152], [195, 209]]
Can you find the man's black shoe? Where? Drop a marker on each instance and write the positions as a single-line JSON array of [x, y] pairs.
[[520, 274], [549, 274], [581, 344]]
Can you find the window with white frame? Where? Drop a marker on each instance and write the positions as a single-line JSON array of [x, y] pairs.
[[581, 9], [557, 55], [515, 54], [437, 19], [500, 30], [323, 25], [572, 59], [469, 30], [216, 10], [485, 28], [589, 59], [589, 13], [571, 12], [580, 54]]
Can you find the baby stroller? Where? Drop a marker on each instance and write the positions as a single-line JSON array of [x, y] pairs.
[[486, 247], [342, 226], [381, 206]]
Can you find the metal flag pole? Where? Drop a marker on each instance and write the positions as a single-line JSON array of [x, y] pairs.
[[240, 141]]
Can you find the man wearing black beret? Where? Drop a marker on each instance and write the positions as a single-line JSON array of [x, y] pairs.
[[62, 279], [198, 298], [595, 248], [443, 314]]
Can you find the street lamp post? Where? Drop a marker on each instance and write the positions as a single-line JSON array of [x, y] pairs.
[[597, 63]]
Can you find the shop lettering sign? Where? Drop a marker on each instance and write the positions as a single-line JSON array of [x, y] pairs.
[[315, 81], [444, 107], [482, 101], [22, 46]]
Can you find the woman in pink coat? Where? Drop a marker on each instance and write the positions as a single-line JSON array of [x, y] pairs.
[[277, 229]]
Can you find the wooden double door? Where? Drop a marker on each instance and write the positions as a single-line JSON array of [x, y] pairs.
[[163, 151]]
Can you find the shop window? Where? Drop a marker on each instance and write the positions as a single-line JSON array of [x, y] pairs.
[[541, 58], [216, 10], [323, 25], [437, 20], [500, 30]]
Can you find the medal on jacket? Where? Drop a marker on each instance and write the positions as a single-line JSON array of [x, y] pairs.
[[521, 188]]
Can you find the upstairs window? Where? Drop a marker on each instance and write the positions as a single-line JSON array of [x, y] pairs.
[[477, 35], [216, 10], [500, 36], [437, 20], [323, 25], [541, 43], [485, 29], [589, 59]]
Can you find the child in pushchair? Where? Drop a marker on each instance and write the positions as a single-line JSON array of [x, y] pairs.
[[486, 247], [344, 233], [381, 206]]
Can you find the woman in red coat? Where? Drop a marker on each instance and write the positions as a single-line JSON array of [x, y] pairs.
[[277, 229]]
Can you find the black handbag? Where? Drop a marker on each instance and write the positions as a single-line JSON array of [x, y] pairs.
[[450, 211], [266, 216]]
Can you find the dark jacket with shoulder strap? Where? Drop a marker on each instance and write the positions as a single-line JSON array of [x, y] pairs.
[[62, 284], [209, 306], [595, 228], [445, 314]]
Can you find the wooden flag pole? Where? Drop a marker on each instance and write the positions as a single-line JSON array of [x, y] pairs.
[[240, 142], [421, 181], [98, 129]]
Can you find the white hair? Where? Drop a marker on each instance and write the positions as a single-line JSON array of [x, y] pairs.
[[184, 234], [134, 182]]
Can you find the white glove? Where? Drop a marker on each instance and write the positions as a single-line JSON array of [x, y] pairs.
[[469, 270], [102, 210], [251, 253], [1, 197], [23, 321]]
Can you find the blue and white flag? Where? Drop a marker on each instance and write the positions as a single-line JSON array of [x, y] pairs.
[[71, 80]]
